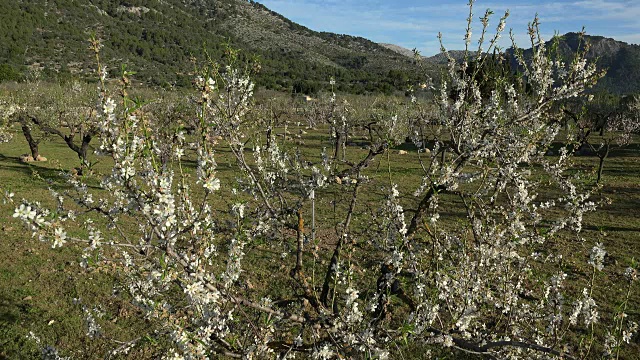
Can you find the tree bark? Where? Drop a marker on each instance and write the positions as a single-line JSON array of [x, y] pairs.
[[33, 144], [81, 150], [601, 163]]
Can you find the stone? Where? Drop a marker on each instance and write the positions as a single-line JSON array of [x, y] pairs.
[[26, 158]]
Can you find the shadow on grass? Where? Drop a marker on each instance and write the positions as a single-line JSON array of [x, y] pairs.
[[631, 150], [612, 228], [11, 163], [9, 310], [13, 341], [53, 177], [627, 191]]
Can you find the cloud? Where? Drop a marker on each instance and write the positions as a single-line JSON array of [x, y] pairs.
[[414, 24], [630, 38]]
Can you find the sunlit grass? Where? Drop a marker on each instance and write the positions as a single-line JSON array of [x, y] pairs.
[[39, 284]]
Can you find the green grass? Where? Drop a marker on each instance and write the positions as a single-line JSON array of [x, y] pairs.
[[39, 284]]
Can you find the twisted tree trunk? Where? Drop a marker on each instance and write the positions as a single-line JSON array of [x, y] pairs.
[[33, 143]]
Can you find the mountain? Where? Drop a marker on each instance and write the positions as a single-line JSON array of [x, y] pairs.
[[158, 38], [438, 59], [620, 60], [399, 49]]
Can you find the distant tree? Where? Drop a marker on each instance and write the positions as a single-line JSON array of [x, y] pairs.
[[29, 101], [7, 109], [44, 110], [602, 108], [9, 73]]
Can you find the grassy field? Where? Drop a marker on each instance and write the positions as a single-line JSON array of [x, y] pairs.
[[42, 290]]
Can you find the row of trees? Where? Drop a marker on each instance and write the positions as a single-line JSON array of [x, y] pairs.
[[395, 276], [44, 110]]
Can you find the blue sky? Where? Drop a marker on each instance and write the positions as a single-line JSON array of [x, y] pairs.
[[416, 23]]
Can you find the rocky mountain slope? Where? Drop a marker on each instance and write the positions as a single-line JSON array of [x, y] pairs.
[[160, 38], [157, 38], [621, 60], [399, 49]]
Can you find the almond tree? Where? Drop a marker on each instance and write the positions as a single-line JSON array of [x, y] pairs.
[[478, 283], [7, 109], [45, 110], [25, 102], [73, 119], [615, 127]]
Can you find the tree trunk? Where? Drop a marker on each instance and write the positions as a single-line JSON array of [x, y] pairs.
[[336, 149], [269, 137], [83, 153], [33, 144], [82, 150], [601, 164]]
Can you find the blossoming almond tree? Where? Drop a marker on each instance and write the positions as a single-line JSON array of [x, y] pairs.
[[46, 110], [600, 126], [23, 105], [7, 109], [479, 285]]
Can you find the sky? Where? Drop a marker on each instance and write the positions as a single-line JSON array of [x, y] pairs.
[[416, 23]]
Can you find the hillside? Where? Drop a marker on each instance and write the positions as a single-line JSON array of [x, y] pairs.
[[157, 38], [399, 49], [438, 59], [621, 60]]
